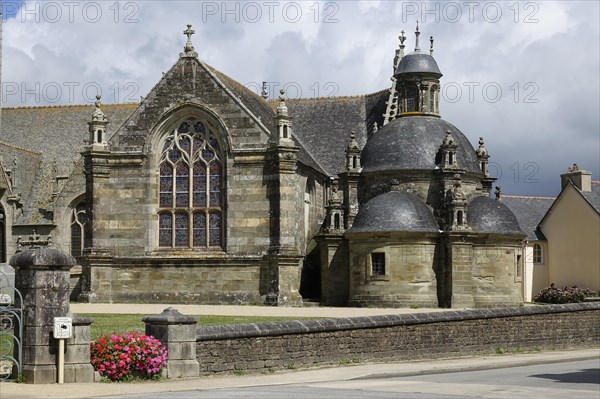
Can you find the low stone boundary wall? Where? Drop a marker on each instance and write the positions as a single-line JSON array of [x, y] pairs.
[[306, 343]]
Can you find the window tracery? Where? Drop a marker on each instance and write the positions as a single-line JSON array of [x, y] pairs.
[[79, 219], [191, 188]]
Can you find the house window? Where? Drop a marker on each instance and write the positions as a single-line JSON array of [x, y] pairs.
[[537, 254], [78, 221], [378, 264], [191, 188]]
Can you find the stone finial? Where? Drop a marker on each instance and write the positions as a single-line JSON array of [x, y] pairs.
[[431, 45], [265, 92], [189, 32], [375, 127], [335, 190], [282, 107], [188, 49], [448, 140], [498, 193], [417, 34], [457, 193], [402, 38], [353, 144], [481, 151], [98, 115]]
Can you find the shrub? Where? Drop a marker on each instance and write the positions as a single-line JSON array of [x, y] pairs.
[[120, 357], [563, 295]]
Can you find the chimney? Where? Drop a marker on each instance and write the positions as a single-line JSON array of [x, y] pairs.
[[582, 179]]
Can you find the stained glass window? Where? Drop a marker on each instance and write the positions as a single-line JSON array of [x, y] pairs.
[[191, 188], [165, 229], [166, 185], [215, 184], [181, 230], [215, 229], [199, 229]]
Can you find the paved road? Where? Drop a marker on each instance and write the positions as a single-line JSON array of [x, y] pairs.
[[579, 379]]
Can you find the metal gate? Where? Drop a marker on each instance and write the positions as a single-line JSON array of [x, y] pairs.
[[11, 329]]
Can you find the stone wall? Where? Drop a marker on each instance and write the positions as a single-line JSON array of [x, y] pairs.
[[175, 281], [409, 278], [258, 347]]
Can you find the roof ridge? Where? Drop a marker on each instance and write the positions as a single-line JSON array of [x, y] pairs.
[[357, 96], [66, 106], [528, 197], [20, 148]]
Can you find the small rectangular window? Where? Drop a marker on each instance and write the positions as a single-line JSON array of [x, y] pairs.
[[378, 264], [537, 254]]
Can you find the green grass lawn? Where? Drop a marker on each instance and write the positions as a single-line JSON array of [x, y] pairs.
[[105, 324]]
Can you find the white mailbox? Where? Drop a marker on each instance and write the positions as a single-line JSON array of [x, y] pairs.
[[63, 327]]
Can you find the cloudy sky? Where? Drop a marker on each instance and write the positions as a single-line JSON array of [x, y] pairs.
[[525, 75]]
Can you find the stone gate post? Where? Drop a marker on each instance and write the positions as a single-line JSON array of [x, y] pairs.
[[42, 277], [178, 333]]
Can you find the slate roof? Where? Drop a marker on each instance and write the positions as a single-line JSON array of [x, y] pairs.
[[487, 215], [394, 211], [593, 197], [255, 103], [323, 125], [529, 211], [413, 142], [47, 141], [418, 63], [56, 131]]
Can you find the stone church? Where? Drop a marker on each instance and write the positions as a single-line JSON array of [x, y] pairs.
[[206, 192]]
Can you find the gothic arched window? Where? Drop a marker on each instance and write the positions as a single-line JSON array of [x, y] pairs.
[[191, 188], [78, 221]]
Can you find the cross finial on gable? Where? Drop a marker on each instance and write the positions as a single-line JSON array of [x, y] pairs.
[[189, 47], [189, 32]]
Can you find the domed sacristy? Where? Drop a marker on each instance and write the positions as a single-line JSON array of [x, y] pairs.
[[487, 215], [394, 211], [412, 143]]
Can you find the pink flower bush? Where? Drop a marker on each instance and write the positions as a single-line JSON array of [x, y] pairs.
[[119, 357]]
